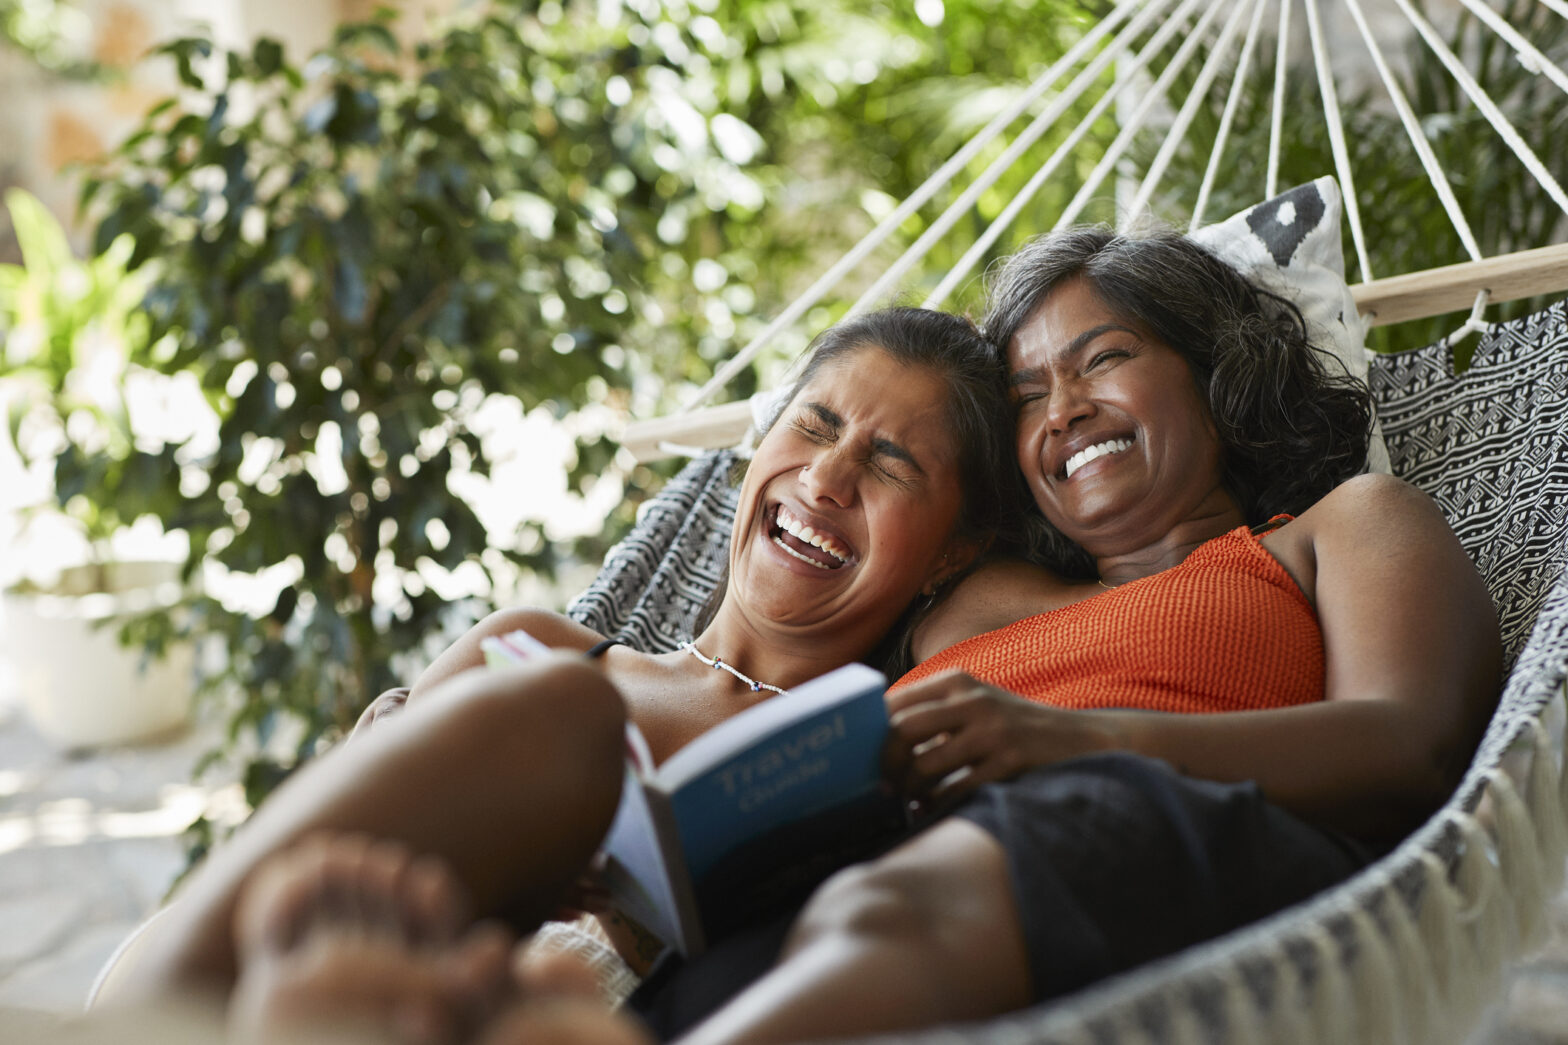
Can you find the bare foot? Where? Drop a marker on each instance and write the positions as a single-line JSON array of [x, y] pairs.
[[346, 938]]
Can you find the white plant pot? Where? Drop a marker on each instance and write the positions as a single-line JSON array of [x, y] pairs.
[[80, 687]]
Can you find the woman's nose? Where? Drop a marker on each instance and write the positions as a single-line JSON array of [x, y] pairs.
[[829, 476], [1069, 404]]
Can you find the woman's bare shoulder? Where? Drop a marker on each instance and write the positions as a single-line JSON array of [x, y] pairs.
[[1367, 510], [991, 596], [1364, 522], [553, 629]]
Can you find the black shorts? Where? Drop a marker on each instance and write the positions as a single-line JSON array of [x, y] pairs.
[[1115, 860]]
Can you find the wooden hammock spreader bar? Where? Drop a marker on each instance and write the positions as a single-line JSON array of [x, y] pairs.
[[1433, 292], [1395, 299], [705, 428]]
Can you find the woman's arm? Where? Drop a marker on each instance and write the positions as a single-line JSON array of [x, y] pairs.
[[552, 629], [1412, 669]]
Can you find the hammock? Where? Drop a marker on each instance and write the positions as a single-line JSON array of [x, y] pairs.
[[1412, 948]]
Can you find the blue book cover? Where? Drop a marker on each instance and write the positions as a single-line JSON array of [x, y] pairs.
[[753, 814]]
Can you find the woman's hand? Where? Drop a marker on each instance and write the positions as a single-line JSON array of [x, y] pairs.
[[951, 733]]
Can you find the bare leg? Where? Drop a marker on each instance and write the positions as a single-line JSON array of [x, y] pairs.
[[928, 934], [511, 777]]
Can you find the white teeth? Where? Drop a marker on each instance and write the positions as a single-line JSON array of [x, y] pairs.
[[803, 558], [801, 532], [1090, 453]]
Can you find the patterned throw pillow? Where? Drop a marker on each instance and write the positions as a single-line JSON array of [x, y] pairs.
[[1290, 245]]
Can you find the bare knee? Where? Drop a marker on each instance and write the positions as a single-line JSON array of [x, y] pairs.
[[562, 712], [945, 900], [888, 900]]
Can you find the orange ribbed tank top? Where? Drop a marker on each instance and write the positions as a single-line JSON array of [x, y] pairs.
[[1226, 630]]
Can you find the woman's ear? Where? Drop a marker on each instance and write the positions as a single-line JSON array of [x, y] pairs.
[[961, 553]]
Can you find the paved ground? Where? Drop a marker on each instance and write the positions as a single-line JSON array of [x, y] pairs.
[[90, 843]]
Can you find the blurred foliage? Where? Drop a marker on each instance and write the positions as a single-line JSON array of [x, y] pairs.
[[1406, 227], [67, 327], [50, 32], [578, 208]]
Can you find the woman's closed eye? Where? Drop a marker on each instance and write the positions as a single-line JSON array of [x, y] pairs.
[[1027, 397], [888, 470], [813, 430]]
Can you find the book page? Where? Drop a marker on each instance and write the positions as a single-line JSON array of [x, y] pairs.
[[634, 867]]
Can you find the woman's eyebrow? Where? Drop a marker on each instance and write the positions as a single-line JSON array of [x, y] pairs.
[[888, 448], [879, 446], [826, 416], [1029, 375]]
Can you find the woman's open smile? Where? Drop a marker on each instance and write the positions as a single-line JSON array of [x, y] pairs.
[[810, 538]]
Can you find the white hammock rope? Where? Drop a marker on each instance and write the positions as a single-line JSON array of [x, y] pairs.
[[1135, 122], [1277, 117], [1412, 964], [1003, 221], [1187, 1028], [873, 239], [1434, 170], [1483, 102], [1484, 914], [1232, 103], [1390, 300], [1196, 97], [1451, 956], [1336, 136], [1376, 982], [1331, 997], [1529, 56], [1476, 323], [1519, 857], [1239, 1005], [961, 207], [1546, 802]]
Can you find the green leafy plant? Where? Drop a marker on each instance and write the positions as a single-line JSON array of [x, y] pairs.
[[542, 207], [69, 327]]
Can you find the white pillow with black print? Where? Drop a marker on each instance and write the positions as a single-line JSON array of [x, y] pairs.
[[1290, 245]]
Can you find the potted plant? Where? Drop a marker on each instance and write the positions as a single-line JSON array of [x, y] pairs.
[[67, 327]]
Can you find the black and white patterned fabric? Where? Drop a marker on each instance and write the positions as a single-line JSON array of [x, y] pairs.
[[1490, 445], [656, 581]]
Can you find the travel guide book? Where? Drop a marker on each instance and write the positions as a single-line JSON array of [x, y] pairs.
[[748, 817]]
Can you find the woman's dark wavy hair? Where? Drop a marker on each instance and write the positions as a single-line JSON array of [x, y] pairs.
[[979, 416], [1292, 424]]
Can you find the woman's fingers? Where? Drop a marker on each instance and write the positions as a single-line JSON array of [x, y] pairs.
[[934, 689]]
